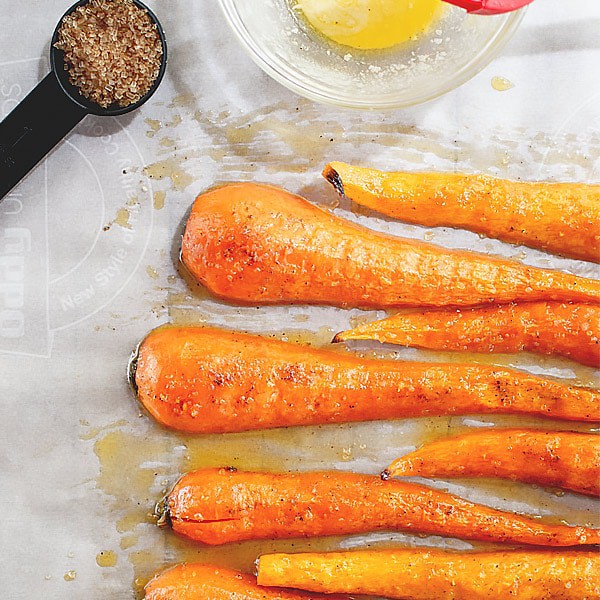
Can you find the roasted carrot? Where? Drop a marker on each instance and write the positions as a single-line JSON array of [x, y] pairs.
[[259, 244], [570, 330], [219, 506], [438, 575], [205, 380], [205, 582], [550, 458], [563, 218]]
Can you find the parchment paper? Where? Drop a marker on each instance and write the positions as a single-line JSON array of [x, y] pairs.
[[88, 249]]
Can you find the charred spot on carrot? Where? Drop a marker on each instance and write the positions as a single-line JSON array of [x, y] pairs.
[[334, 179]]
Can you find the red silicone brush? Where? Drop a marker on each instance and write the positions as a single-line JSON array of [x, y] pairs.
[[489, 7]]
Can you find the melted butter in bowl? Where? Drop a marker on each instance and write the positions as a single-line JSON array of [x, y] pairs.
[[370, 54], [371, 24]]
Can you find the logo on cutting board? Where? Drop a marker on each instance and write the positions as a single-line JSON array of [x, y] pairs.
[[73, 233]]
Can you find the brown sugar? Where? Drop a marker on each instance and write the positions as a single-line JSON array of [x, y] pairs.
[[113, 51]]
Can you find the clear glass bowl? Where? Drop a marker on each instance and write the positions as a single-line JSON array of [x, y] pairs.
[[456, 48]]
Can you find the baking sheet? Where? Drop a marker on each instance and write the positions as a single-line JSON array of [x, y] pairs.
[[89, 245]]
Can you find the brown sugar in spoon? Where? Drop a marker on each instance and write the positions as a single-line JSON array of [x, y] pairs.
[[69, 93]]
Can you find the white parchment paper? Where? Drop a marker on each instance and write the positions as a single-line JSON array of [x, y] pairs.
[[93, 237]]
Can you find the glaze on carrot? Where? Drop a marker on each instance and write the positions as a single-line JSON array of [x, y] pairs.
[[205, 582], [259, 244], [563, 218], [553, 328], [206, 380], [219, 506], [438, 575], [559, 459]]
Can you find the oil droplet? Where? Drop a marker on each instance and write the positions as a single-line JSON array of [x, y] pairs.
[[128, 472], [520, 256], [159, 200], [70, 576], [96, 431], [186, 100], [177, 120], [122, 219], [301, 318], [152, 272], [154, 124], [169, 169], [106, 558], [128, 541], [306, 337], [501, 84], [139, 583], [186, 316], [154, 127], [360, 320], [167, 142], [129, 522]]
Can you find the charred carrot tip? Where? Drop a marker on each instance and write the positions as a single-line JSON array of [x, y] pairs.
[[132, 366], [334, 178], [162, 513], [385, 474], [338, 338]]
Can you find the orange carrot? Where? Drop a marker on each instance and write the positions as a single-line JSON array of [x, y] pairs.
[[550, 458], [205, 582], [570, 330], [563, 218], [205, 380], [219, 506], [259, 244], [437, 575]]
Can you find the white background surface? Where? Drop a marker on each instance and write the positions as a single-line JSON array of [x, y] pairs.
[[89, 295]]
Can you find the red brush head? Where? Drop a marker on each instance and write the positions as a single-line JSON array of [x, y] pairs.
[[489, 7]]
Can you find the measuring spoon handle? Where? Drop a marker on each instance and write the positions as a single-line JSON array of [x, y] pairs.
[[33, 128]]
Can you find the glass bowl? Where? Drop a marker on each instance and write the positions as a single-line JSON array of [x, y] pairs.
[[455, 49]]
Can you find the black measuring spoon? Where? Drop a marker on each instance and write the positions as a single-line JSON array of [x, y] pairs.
[[52, 110]]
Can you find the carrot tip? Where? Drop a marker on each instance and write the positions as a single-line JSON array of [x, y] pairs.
[[386, 474], [334, 178], [338, 338], [161, 512], [132, 366]]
